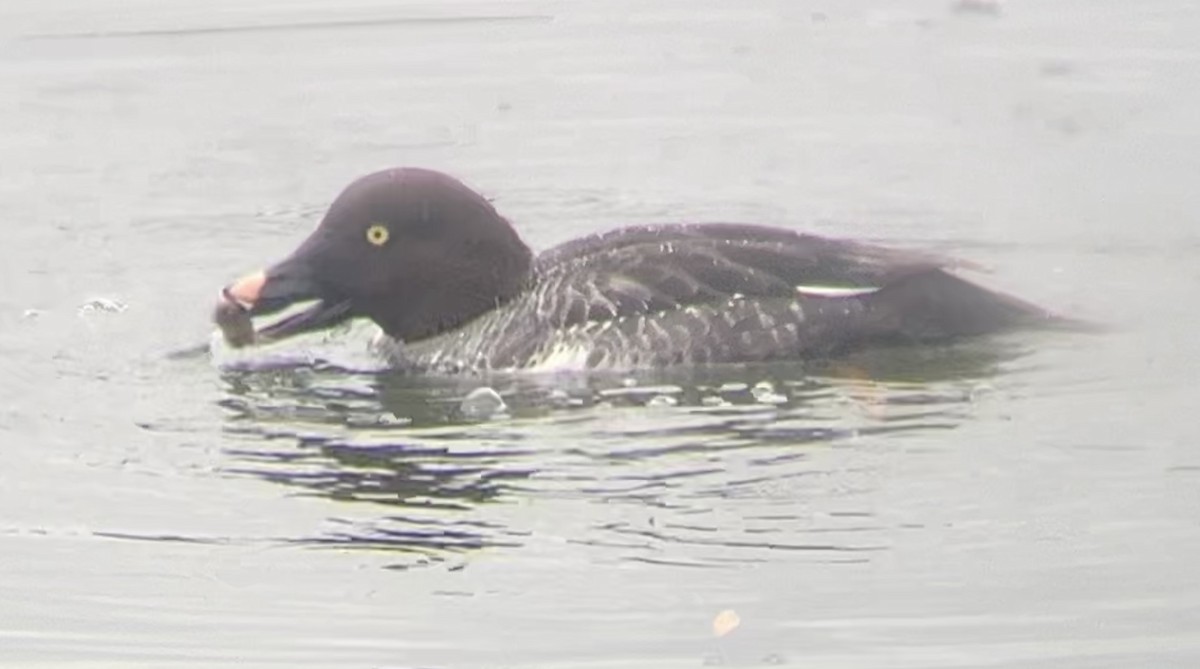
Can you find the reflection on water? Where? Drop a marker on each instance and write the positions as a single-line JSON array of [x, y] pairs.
[[703, 466]]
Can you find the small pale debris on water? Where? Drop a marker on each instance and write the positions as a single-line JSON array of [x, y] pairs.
[[102, 304], [483, 402], [725, 622]]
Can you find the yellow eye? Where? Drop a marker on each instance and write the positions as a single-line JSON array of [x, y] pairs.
[[377, 234]]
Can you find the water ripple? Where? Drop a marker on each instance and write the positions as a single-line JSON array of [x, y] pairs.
[[594, 461]]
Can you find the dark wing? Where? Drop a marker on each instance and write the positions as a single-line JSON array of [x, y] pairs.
[[647, 269]]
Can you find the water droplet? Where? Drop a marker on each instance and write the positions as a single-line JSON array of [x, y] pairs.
[[662, 401], [482, 403]]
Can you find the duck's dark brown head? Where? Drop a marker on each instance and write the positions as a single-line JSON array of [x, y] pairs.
[[414, 250]]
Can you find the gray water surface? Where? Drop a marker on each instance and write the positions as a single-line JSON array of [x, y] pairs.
[[1025, 501]]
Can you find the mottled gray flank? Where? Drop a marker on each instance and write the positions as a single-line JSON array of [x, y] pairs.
[[654, 296]]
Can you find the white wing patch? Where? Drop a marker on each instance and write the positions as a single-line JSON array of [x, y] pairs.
[[835, 291]]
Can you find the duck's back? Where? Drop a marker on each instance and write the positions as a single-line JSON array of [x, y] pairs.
[[658, 295]]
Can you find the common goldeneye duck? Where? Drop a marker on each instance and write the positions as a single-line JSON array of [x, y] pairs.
[[453, 287]]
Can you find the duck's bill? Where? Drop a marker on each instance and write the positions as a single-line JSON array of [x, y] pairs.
[[268, 293]]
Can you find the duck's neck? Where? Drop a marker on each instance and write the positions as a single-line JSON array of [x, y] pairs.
[[480, 278]]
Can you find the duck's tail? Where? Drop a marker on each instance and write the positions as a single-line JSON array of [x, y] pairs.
[[936, 305]]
